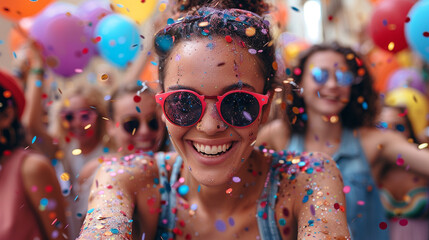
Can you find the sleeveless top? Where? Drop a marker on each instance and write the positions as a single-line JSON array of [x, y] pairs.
[[364, 209], [415, 206], [265, 212], [18, 220]]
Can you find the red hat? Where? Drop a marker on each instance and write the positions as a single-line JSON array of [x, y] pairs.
[[9, 83]]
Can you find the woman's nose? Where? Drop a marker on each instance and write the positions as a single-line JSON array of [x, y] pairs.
[[211, 122]]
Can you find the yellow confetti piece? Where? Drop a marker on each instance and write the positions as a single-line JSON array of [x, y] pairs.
[[104, 77], [162, 7], [391, 46], [87, 126], [203, 24], [423, 145], [350, 56], [76, 151], [65, 177], [105, 118], [59, 154], [250, 31], [334, 119]]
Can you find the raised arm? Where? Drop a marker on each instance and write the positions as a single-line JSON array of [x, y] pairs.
[[319, 205], [115, 195], [33, 113], [393, 146], [43, 191]]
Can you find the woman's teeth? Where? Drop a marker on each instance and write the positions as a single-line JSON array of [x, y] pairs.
[[212, 150]]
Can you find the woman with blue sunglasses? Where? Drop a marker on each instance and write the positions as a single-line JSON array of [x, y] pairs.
[[216, 72], [334, 112]]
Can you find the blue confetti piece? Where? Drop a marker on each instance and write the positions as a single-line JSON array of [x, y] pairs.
[[305, 199], [365, 105], [34, 139], [138, 109], [139, 83], [288, 71], [199, 188], [14, 54], [318, 94], [295, 9], [183, 190], [38, 83], [105, 149], [44, 202], [220, 226], [114, 231], [384, 22], [1, 41], [170, 21], [231, 221], [77, 196], [164, 42], [282, 221], [91, 210], [154, 63]]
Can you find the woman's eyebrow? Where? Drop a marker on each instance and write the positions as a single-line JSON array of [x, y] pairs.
[[180, 87], [238, 85]]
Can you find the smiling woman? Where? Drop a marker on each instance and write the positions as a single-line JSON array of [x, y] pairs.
[[217, 79]]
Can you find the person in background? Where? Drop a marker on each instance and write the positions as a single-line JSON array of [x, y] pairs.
[[217, 78], [404, 193], [31, 203], [75, 135], [333, 110], [134, 124]]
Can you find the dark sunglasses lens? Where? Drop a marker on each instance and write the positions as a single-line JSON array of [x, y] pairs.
[[130, 125], [320, 76], [239, 109], [183, 108], [69, 117], [153, 124], [344, 78]]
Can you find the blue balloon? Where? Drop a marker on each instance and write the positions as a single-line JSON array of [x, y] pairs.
[[417, 29], [120, 39]]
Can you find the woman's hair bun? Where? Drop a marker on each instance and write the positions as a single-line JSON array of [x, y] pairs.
[[257, 6]]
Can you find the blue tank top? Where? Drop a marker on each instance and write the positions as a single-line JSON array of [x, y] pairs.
[[364, 209], [265, 213]]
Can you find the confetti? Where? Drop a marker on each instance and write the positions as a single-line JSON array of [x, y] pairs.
[[295, 9], [34, 139], [346, 189], [65, 177], [383, 225], [391, 46], [76, 151], [220, 225], [423, 145]]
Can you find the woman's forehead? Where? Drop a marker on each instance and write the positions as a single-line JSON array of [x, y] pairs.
[[213, 61]]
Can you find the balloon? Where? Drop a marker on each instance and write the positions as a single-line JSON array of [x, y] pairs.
[[137, 10], [387, 24], [41, 21], [19, 35], [381, 65], [65, 45], [406, 77], [120, 40], [414, 101], [18, 9], [417, 31], [91, 12]]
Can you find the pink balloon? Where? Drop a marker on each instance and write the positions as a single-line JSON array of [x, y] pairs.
[[66, 46]]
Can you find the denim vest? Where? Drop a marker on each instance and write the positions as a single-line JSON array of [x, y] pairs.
[[364, 209]]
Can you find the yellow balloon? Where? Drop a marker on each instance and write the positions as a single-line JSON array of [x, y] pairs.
[[405, 58], [415, 103], [138, 10]]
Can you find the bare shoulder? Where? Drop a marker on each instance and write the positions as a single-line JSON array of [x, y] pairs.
[[36, 165], [274, 135]]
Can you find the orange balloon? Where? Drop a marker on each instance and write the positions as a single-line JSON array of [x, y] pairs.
[[18, 9], [149, 73], [381, 65], [16, 39]]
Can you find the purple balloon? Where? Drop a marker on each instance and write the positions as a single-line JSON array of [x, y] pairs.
[[66, 47], [38, 29], [91, 12], [407, 77]]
